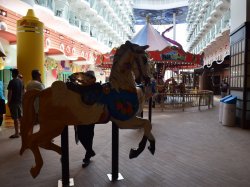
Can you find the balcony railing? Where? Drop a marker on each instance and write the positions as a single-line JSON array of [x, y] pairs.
[[93, 31], [112, 16], [50, 4], [85, 26], [226, 20], [215, 26]]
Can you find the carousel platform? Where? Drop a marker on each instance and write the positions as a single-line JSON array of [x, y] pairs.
[[192, 149]]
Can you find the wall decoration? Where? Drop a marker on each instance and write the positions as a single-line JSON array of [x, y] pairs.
[[50, 63]]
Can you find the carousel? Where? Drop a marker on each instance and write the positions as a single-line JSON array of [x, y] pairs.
[[177, 90], [165, 54]]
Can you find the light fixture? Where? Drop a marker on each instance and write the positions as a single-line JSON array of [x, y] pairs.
[[3, 12], [47, 31], [61, 37]]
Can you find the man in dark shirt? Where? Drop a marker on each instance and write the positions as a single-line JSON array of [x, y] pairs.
[[15, 94]]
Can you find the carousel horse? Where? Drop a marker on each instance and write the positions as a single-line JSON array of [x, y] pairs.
[[65, 104]]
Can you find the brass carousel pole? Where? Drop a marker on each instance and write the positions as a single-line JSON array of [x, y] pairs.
[[150, 99]]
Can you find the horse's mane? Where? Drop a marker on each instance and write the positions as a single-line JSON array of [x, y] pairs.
[[116, 79], [119, 52]]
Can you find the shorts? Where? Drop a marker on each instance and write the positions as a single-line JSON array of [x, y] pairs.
[[15, 110]]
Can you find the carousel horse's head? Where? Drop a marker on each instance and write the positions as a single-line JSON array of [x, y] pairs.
[[133, 58]]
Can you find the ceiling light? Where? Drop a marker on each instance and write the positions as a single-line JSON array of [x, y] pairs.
[[3, 13]]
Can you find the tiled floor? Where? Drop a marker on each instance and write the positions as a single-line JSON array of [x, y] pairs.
[[192, 149]]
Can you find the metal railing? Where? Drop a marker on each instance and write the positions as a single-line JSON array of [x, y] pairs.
[[185, 100]]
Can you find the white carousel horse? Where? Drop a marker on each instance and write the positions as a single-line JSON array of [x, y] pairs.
[[61, 105]]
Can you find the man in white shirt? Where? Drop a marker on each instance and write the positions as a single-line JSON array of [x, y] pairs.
[[36, 82]]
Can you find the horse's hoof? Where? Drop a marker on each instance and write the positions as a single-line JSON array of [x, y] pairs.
[[133, 153], [34, 172], [151, 148]]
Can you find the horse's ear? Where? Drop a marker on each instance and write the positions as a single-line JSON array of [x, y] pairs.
[[145, 47], [128, 43], [140, 49]]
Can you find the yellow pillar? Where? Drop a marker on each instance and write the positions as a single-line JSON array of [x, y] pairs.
[[30, 45]]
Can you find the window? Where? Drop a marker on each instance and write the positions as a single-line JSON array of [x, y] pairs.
[[237, 64]]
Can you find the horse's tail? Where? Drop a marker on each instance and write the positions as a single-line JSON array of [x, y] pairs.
[[29, 118]]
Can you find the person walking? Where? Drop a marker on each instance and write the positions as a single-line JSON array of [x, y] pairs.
[[15, 95], [85, 133]]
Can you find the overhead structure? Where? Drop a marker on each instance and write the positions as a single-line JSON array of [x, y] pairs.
[[148, 35], [171, 54], [165, 52]]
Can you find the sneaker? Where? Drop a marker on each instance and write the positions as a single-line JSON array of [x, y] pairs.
[[86, 160], [85, 163]]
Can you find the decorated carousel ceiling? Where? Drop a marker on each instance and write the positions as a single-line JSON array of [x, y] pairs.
[[160, 17]]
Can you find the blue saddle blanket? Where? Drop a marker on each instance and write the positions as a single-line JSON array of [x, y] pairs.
[[123, 105]]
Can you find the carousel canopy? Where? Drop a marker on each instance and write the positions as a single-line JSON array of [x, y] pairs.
[[148, 35], [162, 50], [165, 50], [105, 61]]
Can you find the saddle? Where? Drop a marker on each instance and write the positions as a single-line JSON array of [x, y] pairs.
[[121, 105], [85, 84]]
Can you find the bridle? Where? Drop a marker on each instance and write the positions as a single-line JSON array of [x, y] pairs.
[[145, 78]]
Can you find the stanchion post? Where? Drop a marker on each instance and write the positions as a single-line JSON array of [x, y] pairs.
[[65, 181], [115, 175], [150, 109], [115, 151]]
